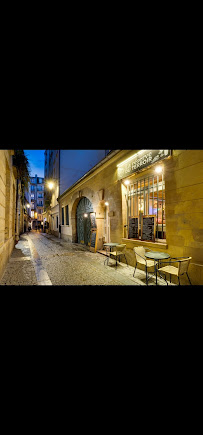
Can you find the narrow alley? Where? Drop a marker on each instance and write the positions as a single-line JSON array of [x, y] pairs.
[[42, 259]]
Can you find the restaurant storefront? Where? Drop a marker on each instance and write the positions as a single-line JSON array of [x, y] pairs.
[[150, 198]]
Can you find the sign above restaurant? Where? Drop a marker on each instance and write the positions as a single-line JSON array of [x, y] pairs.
[[140, 160]]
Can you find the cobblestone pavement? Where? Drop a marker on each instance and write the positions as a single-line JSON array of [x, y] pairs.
[[42, 259]]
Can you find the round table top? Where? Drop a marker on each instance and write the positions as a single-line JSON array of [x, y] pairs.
[[111, 244], [156, 255]]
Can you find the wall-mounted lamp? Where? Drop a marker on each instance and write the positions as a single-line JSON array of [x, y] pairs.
[[106, 203], [50, 185], [85, 215], [158, 169], [126, 182], [28, 205]]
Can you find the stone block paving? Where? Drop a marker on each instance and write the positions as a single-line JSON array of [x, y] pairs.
[[20, 270], [66, 263]]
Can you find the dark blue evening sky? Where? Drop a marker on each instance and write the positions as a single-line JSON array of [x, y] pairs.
[[36, 160], [79, 161]]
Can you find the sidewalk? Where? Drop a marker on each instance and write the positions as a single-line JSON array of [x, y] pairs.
[[20, 268]]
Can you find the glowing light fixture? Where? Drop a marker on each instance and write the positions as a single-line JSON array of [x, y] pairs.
[[126, 182], [130, 158], [85, 215], [28, 205], [106, 203], [50, 185], [158, 169]]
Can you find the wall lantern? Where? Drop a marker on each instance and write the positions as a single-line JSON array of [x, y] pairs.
[[85, 215], [28, 205], [106, 203], [126, 182], [50, 185], [158, 169]]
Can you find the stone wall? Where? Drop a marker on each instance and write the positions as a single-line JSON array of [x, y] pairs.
[[183, 174], [7, 208], [104, 178], [184, 209]]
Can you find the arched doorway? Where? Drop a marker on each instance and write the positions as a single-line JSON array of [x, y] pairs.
[[84, 223]]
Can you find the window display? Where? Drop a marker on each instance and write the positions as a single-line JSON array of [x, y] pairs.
[[147, 197]]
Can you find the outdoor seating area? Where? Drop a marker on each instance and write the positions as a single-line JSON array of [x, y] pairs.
[[155, 264]]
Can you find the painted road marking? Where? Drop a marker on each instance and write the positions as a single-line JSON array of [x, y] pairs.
[[41, 274], [19, 259]]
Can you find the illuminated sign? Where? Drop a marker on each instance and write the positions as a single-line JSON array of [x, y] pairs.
[[140, 160]]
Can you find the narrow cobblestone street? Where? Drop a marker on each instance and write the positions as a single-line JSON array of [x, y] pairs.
[[42, 259]]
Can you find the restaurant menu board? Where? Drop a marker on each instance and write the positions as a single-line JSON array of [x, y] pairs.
[[148, 228], [93, 220], [93, 241], [133, 228]]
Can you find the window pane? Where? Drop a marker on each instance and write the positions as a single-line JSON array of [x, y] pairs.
[[147, 196], [67, 216], [62, 215]]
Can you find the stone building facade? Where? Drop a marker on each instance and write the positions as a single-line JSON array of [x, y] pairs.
[[7, 207], [173, 196], [37, 201], [63, 168]]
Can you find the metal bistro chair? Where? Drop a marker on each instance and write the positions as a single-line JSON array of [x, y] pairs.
[[178, 271], [140, 259], [118, 252]]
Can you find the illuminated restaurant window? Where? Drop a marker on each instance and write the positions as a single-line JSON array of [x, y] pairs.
[[146, 196]]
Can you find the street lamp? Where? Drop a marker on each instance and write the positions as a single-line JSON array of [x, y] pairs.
[[50, 185]]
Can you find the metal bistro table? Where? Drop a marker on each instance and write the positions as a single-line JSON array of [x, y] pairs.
[[156, 256], [110, 245]]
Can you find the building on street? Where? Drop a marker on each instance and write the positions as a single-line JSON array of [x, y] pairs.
[[37, 201], [135, 187], [63, 168], [8, 177], [27, 208]]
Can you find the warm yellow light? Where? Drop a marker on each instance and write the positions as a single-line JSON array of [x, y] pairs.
[[85, 215], [158, 169], [130, 158], [106, 203], [126, 182], [50, 185], [28, 205]]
